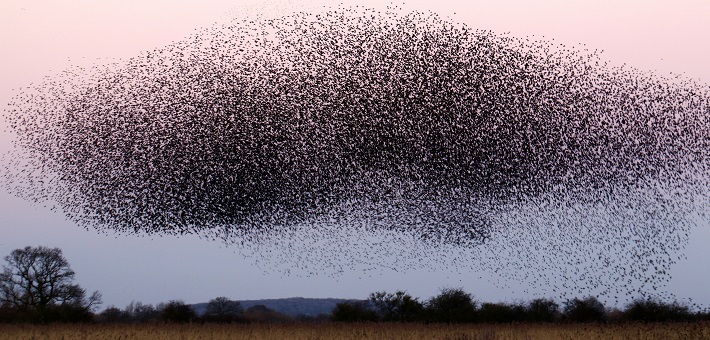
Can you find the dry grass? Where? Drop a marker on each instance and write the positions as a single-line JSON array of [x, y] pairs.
[[359, 331]]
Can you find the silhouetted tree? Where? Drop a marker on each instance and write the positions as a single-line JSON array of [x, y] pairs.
[[140, 312], [177, 311], [452, 306], [651, 310], [586, 310], [114, 314], [501, 313], [222, 309], [354, 311], [542, 310], [38, 283], [399, 306]]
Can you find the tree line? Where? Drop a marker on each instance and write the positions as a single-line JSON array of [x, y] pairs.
[[451, 305], [37, 286], [454, 305]]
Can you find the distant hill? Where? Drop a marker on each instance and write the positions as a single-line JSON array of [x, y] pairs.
[[290, 306]]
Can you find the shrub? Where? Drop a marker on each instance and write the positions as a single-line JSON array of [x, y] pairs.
[[501, 313], [354, 311], [586, 310], [651, 310], [399, 306], [139, 312], [113, 314], [542, 310], [177, 311], [452, 306]]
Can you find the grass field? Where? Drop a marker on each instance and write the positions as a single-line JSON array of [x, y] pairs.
[[359, 331]]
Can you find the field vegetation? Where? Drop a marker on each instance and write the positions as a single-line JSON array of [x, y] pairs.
[[359, 331]]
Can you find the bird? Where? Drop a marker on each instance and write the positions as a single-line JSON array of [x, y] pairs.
[[378, 140]]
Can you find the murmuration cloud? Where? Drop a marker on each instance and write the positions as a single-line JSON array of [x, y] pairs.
[[525, 154]]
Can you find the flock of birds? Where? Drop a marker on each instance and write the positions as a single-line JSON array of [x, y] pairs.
[[364, 139]]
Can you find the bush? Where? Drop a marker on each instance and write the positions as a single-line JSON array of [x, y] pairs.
[[177, 311], [650, 310], [399, 306], [47, 314], [452, 306], [17, 315], [354, 311], [113, 314], [139, 312], [585, 310], [67, 313], [501, 313], [542, 310]]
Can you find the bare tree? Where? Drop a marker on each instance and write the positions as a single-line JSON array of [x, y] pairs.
[[398, 306], [140, 312], [36, 278], [223, 309], [588, 309]]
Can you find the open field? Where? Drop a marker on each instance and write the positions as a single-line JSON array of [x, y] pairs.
[[359, 331]]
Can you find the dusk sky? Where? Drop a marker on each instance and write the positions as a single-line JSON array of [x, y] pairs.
[[42, 38]]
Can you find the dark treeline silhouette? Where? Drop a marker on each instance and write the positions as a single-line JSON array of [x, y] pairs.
[[457, 306], [449, 306], [219, 310], [37, 286]]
